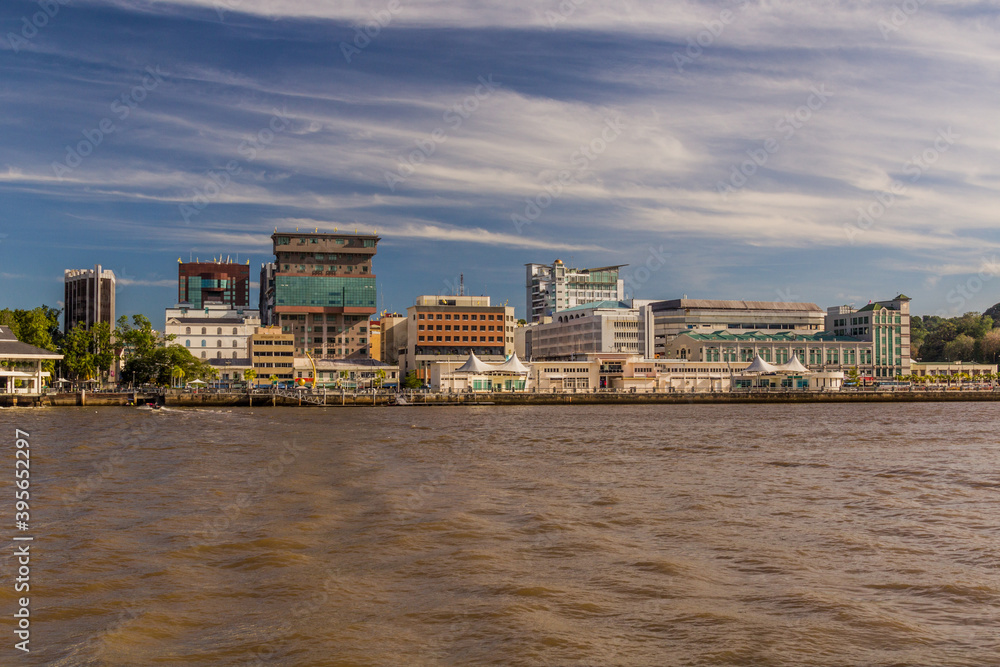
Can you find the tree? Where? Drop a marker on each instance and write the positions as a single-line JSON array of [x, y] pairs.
[[411, 381], [853, 376], [249, 375], [962, 348], [176, 375]]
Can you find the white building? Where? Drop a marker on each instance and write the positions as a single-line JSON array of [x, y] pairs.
[[604, 326], [552, 288], [212, 332], [346, 373]]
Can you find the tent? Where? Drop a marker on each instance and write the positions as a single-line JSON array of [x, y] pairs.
[[793, 365], [760, 366], [474, 365], [512, 365]]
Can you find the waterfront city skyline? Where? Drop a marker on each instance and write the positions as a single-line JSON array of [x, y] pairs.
[[606, 131]]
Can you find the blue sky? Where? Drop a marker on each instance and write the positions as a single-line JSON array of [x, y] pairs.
[[737, 139]]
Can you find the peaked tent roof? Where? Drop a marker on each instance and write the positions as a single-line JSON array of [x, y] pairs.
[[760, 366], [512, 365], [474, 365], [793, 365]]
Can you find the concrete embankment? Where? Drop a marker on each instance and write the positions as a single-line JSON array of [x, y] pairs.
[[199, 399]]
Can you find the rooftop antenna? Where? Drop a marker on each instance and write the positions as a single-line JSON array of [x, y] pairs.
[[461, 284]]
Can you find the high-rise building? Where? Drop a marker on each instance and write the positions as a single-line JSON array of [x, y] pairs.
[[324, 291], [265, 295], [272, 353], [448, 328], [555, 287], [200, 283], [90, 297]]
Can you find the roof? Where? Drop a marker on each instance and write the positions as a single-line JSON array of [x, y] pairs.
[[760, 366], [599, 304], [512, 365], [767, 336], [714, 304], [474, 365], [12, 348], [793, 365]]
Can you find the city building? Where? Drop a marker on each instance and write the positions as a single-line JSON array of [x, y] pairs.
[[346, 373], [21, 365], [324, 291], [90, 297], [214, 331], [375, 339], [265, 295], [272, 353], [603, 326], [213, 283], [231, 372], [874, 339], [628, 373], [448, 328], [555, 287], [668, 319], [393, 326], [884, 325]]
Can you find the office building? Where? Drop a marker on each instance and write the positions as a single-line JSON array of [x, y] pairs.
[[90, 297], [555, 287], [324, 291], [448, 328], [214, 331], [884, 325], [215, 283], [393, 326], [604, 326], [272, 354], [667, 319], [265, 295]]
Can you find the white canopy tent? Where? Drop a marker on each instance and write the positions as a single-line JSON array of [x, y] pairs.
[[793, 365], [474, 365], [512, 365], [760, 366]]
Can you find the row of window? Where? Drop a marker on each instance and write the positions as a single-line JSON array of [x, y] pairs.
[[465, 316], [187, 343], [464, 339], [218, 331], [465, 327]]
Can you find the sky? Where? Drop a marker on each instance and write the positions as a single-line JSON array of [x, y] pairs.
[[829, 152]]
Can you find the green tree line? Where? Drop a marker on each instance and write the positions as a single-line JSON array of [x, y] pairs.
[[969, 337], [148, 356]]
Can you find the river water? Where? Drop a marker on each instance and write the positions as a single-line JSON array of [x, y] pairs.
[[862, 534]]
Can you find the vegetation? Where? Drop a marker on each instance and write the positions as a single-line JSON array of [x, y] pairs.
[[38, 327], [88, 353], [971, 337], [411, 381]]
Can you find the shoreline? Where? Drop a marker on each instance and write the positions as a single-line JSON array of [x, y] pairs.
[[213, 400]]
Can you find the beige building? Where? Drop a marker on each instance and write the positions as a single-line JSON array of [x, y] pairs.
[[885, 326], [604, 326], [668, 319], [212, 332], [346, 373], [951, 368], [272, 353], [393, 338]]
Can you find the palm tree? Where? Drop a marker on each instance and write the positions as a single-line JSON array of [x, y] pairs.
[[177, 373], [249, 375]]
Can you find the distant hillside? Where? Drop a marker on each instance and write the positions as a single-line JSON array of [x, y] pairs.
[[994, 312]]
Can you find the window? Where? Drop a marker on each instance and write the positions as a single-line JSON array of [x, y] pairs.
[[235, 344], [218, 343], [187, 330], [187, 343], [203, 345], [204, 331], [235, 332], [234, 355], [219, 332], [202, 355], [218, 355]]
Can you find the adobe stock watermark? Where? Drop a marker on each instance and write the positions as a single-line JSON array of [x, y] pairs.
[[915, 167], [582, 159], [788, 125], [898, 17], [656, 259], [122, 107], [565, 9], [370, 29], [705, 38], [37, 21], [453, 117], [963, 293], [216, 181]]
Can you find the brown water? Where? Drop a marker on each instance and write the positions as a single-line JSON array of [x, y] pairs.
[[609, 535]]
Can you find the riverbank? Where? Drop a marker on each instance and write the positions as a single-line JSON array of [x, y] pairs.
[[242, 399]]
